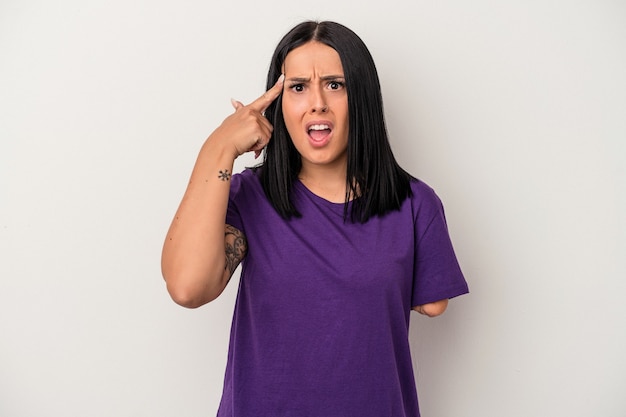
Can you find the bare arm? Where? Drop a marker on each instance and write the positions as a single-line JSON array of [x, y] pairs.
[[432, 309], [201, 252], [193, 261]]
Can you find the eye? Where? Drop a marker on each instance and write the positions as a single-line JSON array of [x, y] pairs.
[[298, 88], [335, 85]]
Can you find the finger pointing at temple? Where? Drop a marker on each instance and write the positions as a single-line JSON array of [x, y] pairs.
[[262, 103]]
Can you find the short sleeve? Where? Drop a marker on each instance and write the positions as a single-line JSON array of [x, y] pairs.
[[233, 217], [437, 274]]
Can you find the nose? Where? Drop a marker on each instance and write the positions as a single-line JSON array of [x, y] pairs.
[[320, 109], [318, 101]]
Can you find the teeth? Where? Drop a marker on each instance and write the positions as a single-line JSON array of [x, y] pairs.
[[319, 127]]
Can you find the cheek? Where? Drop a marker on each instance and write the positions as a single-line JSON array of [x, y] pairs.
[[341, 111], [289, 118], [292, 112], [293, 105]]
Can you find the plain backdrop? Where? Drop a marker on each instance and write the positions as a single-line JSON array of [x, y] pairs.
[[514, 111]]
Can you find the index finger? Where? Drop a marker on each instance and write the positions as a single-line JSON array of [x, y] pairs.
[[262, 103]]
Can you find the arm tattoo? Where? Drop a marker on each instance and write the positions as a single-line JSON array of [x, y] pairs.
[[224, 175], [236, 248]]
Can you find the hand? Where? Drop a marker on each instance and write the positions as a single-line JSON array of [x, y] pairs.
[[247, 129]]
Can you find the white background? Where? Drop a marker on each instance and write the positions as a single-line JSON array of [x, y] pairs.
[[515, 112]]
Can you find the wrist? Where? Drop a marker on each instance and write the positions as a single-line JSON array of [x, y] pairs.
[[219, 151]]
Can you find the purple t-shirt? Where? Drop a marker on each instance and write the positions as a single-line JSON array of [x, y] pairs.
[[320, 327]]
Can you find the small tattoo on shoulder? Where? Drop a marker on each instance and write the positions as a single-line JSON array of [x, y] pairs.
[[224, 175]]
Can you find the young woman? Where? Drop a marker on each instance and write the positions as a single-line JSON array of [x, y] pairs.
[[338, 243]]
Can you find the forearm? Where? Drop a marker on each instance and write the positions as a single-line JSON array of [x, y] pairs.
[[193, 260]]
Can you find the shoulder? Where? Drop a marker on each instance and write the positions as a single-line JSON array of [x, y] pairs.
[[248, 175], [246, 198], [424, 198], [245, 181]]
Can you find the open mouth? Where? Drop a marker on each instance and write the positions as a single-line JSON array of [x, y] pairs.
[[319, 132]]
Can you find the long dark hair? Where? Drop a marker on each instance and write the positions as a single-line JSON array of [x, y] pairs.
[[373, 175]]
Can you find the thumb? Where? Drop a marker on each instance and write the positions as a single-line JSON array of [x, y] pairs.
[[236, 104]]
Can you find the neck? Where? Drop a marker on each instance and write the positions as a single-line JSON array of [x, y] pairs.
[[328, 182]]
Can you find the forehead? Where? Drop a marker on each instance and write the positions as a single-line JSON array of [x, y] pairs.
[[313, 56]]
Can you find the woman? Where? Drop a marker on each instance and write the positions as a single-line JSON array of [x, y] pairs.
[[338, 242]]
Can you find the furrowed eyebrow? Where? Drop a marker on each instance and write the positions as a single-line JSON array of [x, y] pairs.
[[298, 80], [324, 78], [332, 77]]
